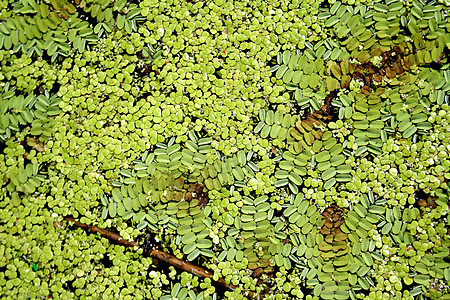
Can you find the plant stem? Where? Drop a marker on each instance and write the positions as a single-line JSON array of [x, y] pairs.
[[158, 254]]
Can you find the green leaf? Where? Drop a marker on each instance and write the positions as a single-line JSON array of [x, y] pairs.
[[332, 83], [422, 279], [323, 156], [280, 72], [281, 183], [112, 207], [203, 243], [288, 75], [142, 225], [410, 131], [187, 249], [329, 184], [242, 160], [330, 173], [189, 238], [386, 228], [286, 57], [331, 21], [193, 255], [133, 13]]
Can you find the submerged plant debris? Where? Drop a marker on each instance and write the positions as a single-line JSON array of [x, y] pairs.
[[224, 149]]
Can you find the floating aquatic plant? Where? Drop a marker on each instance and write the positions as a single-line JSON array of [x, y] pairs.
[[296, 150]]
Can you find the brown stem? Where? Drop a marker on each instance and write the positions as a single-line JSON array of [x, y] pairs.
[[158, 254], [440, 58]]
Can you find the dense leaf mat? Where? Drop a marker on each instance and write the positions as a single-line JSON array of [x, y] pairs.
[[297, 149]]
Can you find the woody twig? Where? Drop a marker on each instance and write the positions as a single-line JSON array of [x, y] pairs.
[[158, 254]]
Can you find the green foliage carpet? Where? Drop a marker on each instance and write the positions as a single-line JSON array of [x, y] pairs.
[[295, 149]]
